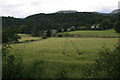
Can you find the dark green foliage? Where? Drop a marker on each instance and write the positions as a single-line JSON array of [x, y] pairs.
[[48, 33], [44, 37], [5, 49], [11, 21], [106, 24], [117, 26], [108, 63], [41, 22], [60, 35], [12, 66], [10, 35]]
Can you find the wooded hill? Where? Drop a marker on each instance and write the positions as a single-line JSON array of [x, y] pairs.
[[40, 22]]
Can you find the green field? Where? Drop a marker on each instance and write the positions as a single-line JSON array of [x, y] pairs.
[[52, 49], [25, 37], [71, 55], [95, 33]]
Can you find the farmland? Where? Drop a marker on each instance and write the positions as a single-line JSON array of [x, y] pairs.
[[95, 33], [71, 55], [26, 37], [61, 45]]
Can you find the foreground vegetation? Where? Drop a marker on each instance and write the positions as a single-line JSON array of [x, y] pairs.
[[75, 55], [59, 57], [65, 57]]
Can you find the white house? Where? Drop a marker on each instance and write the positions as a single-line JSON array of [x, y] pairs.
[[62, 30], [95, 26], [68, 29], [54, 31], [92, 27]]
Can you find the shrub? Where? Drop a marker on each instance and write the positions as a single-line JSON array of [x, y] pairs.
[[108, 63], [60, 35], [44, 37], [12, 65], [117, 27]]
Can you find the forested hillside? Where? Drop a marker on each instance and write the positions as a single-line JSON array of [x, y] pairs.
[[40, 22]]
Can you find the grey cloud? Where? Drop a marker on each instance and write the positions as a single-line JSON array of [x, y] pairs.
[[119, 5], [105, 10], [35, 3], [28, 7]]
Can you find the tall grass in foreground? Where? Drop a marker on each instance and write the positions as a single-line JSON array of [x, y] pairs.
[[13, 67], [106, 66], [18, 66]]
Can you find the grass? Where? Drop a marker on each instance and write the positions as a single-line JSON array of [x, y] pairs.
[[70, 64], [25, 37], [95, 33], [52, 49], [59, 57]]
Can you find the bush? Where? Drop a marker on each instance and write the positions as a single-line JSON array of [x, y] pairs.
[[32, 40], [117, 27], [60, 35], [44, 37], [106, 24], [12, 65], [108, 63], [10, 36]]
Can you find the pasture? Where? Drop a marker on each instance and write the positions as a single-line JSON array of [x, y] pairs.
[[27, 37], [95, 33], [60, 57]]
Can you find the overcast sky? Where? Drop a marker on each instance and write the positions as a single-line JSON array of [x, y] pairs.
[[23, 8]]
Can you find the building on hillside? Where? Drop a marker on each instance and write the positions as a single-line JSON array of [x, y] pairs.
[[68, 29], [54, 31], [92, 27], [73, 28], [62, 30], [95, 26]]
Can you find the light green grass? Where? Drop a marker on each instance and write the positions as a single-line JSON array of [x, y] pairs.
[[96, 33], [50, 50], [25, 37]]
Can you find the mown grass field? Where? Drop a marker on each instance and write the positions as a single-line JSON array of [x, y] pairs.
[[95, 33], [64, 57], [53, 48], [25, 37]]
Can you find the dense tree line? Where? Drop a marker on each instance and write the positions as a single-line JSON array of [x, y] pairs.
[[38, 23], [11, 22], [10, 35]]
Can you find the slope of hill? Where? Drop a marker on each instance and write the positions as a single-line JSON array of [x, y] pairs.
[[11, 22], [60, 20], [67, 11], [55, 20], [39, 22], [116, 11]]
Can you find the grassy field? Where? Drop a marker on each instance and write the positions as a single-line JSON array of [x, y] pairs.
[[95, 33], [25, 37], [64, 57]]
